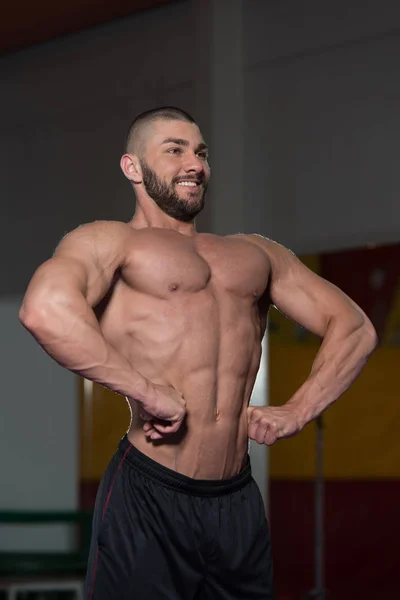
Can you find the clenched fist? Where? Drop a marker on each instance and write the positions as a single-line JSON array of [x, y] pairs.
[[267, 424], [163, 413]]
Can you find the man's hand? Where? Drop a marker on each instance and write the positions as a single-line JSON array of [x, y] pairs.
[[268, 424], [164, 413]]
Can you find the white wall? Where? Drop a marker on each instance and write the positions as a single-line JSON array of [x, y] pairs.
[[39, 435], [322, 97]]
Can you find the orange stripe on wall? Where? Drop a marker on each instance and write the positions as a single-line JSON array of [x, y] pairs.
[[361, 428], [104, 418]]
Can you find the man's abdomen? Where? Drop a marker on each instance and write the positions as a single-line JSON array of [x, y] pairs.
[[203, 449]]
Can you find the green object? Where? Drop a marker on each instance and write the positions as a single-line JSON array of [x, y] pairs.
[[22, 563]]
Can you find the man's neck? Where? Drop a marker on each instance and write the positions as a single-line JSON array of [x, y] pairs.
[[158, 219]]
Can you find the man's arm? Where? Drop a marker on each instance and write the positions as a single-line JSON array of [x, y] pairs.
[[58, 312], [57, 307], [320, 307]]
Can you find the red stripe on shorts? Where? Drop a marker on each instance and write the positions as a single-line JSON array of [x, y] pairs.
[[102, 516]]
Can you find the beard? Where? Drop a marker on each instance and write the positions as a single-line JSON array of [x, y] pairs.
[[167, 198]]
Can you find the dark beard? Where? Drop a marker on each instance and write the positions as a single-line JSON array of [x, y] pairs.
[[166, 198]]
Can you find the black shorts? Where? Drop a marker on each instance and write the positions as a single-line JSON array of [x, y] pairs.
[[159, 535]]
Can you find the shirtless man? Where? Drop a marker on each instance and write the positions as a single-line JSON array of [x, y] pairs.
[[173, 320]]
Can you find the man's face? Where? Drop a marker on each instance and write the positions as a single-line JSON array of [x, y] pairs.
[[175, 168]]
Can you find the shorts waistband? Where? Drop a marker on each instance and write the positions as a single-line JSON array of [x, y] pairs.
[[178, 481]]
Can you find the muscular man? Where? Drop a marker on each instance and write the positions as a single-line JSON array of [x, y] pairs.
[[173, 320]]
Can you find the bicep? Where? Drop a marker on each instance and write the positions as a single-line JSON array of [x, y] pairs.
[[307, 298]]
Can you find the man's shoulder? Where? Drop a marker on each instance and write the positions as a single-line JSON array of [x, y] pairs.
[[101, 230], [101, 226], [268, 244], [97, 235], [277, 254], [257, 239]]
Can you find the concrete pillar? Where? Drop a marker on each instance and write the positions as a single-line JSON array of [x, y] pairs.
[[219, 110], [219, 107]]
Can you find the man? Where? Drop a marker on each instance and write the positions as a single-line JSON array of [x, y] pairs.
[[173, 320]]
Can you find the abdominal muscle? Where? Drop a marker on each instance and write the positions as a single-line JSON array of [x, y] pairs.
[[214, 370], [208, 349], [209, 445]]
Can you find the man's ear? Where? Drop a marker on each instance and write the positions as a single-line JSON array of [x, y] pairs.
[[130, 166]]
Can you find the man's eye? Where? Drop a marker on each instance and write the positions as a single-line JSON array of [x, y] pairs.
[[203, 155], [174, 151]]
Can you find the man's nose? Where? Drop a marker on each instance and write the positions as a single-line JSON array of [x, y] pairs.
[[193, 164]]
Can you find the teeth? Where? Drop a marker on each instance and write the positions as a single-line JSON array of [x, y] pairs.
[[188, 183]]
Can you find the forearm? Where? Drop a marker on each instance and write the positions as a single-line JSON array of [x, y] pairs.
[[341, 358], [68, 331]]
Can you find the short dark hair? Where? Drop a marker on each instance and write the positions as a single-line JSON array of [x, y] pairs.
[[166, 113]]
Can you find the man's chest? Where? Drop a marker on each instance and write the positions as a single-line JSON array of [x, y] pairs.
[[169, 263]]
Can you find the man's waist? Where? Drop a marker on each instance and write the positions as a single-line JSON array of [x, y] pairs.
[[198, 485]]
